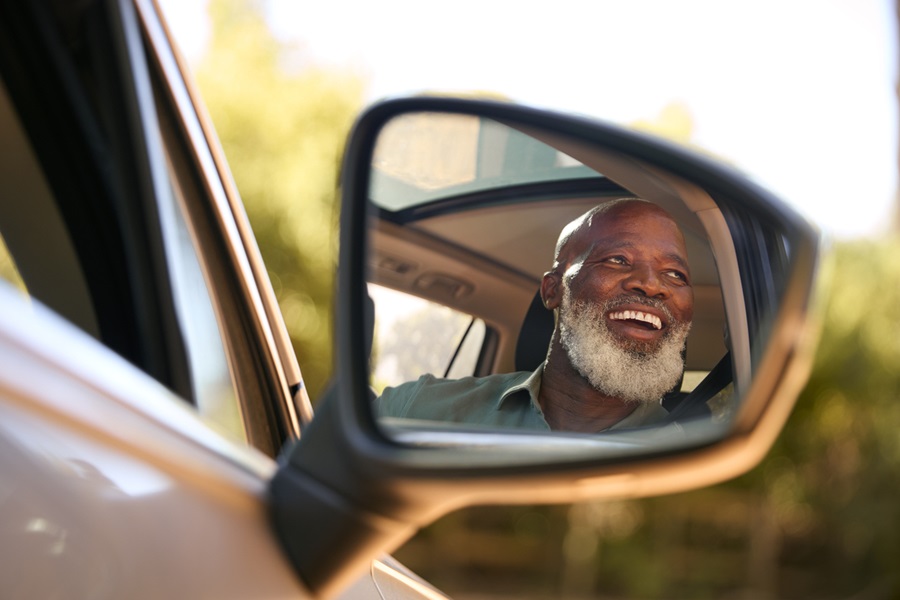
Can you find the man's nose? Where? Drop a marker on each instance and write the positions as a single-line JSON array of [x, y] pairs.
[[644, 280]]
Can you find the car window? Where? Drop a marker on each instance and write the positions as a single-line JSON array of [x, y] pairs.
[[448, 343], [465, 360], [403, 177], [214, 394]]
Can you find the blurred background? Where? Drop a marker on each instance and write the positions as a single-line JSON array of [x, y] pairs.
[[801, 96]]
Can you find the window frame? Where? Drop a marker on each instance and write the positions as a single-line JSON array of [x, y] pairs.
[[265, 371]]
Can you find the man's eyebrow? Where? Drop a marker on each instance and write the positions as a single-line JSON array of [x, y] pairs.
[[677, 258]]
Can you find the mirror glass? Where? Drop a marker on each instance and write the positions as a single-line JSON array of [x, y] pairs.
[[465, 216]]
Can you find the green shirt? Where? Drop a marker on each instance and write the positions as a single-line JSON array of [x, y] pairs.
[[508, 400]]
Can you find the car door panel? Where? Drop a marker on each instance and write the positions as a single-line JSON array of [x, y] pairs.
[[111, 485]]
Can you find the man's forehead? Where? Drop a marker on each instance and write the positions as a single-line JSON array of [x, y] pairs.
[[634, 225], [625, 211]]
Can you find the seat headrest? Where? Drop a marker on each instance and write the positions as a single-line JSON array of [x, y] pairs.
[[534, 336]]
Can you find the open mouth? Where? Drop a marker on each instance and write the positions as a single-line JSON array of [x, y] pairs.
[[638, 318]]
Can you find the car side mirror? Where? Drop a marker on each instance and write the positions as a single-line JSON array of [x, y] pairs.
[[461, 203]]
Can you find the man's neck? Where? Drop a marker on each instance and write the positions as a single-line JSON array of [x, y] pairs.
[[571, 403]]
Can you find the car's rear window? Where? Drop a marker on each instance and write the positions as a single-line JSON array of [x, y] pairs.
[[427, 157]]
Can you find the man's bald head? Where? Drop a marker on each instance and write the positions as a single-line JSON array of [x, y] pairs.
[[573, 242]]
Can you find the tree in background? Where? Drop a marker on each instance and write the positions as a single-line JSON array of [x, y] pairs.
[[283, 126]]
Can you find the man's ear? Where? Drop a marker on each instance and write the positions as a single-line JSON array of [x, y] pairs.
[[551, 290]]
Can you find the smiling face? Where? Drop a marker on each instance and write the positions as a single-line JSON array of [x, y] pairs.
[[622, 285]]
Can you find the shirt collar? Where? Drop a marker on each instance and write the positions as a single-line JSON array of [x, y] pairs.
[[532, 385], [646, 413]]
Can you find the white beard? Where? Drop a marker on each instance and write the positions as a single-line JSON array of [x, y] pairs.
[[633, 372]]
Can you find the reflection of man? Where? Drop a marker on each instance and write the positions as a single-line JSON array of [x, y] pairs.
[[621, 291]]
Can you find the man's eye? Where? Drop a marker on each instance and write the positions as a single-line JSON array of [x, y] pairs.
[[617, 260], [678, 276]]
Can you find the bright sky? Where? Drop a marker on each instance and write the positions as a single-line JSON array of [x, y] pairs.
[[799, 94]]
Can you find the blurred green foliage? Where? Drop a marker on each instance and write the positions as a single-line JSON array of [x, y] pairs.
[[282, 125]]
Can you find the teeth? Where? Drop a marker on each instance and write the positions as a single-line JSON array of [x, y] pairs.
[[636, 315]]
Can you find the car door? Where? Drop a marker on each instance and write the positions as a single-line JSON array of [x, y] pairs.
[[147, 382]]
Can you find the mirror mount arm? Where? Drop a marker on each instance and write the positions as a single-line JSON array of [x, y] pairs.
[[329, 536]]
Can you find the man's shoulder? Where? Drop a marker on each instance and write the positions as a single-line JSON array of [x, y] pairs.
[[428, 382], [496, 380], [429, 395]]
